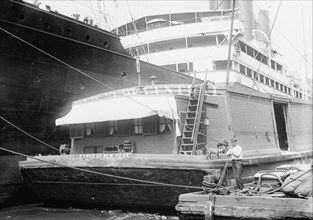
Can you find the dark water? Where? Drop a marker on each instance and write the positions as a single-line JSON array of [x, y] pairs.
[[41, 212]]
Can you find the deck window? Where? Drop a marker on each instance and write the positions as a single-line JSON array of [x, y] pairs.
[[276, 85], [243, 47], [201, 41], [220, 65], [165, 125], [261, 78], [273, 66], [112, 128], [279, 68], [250, 51], [167, 45], [150, 125], [249, 72], [190, 67], [142, 50], [89, 129], [265, 60], [124, 127], [185, 18], [170, 66], [182, 67], [255, 76], [100, 129], [137, 126], [259, 57], [242, 69], [289, 90], [222, 40], [76, 131], [267, 81]]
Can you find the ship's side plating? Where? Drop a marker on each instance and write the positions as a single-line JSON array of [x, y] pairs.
[[47, 60]]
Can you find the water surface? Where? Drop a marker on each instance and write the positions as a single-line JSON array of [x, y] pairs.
[[42, 212]]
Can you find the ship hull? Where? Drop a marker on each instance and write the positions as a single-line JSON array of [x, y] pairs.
[[137, 181]]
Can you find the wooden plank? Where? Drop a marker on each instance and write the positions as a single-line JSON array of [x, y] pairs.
[[266, 213], [263, 202], [267, 206]]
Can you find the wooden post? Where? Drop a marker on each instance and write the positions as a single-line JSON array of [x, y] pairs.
[[208, 210]]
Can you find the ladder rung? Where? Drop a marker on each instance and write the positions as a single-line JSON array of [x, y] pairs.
[[187, 139], [190, 118], [185, 152], [187, 145]]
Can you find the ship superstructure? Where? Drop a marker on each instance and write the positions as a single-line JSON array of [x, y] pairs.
[[196, 42]]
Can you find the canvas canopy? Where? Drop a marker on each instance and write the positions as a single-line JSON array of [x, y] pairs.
[[120, 108]]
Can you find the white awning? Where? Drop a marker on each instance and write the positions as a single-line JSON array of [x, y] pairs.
[[121, 108]]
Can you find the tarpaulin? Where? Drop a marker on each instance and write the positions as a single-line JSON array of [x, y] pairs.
[[120, 108]]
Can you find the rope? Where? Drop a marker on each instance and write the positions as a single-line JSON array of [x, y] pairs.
[[24, 132], [271, 190], [102, 174]]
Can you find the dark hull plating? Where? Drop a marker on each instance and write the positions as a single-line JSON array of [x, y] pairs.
[[43, 59], [104, 188], [63, 185]]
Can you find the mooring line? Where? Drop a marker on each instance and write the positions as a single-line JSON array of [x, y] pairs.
[[24, 132], [102, 174]]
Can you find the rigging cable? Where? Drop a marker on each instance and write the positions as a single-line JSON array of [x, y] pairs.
[[137, 34], [27, 133], [289, 42], [103, 174]]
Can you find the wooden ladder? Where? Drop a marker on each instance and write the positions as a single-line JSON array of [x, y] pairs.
[[192, 120]]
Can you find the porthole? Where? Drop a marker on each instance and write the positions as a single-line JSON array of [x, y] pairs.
[[2, 127], [21, 17], [37, 79], [105, 44], [123, 75], [69, 32], [81, 86], [88, 38], [47, 25]]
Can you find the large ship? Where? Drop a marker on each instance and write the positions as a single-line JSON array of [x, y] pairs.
[[47, 60], [196, 42]]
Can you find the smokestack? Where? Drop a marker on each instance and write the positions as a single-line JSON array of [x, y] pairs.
[[263, 24], [246, 7]]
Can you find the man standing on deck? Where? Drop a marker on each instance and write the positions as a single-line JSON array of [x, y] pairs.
[[235, 153]]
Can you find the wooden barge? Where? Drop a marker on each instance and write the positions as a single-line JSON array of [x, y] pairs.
[[276, 206], [142, 155]]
